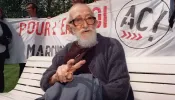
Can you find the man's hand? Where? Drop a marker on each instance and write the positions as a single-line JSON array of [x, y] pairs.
[[65, 72]]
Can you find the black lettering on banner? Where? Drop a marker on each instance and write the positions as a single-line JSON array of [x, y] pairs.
[[47, 53], [40, 51], [132, 13], [141, 17], [30, 50], [136, 17], [47, 50], [158, 21], [53, 47]]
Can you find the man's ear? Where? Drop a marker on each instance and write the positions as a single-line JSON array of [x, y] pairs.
[[69, 28]]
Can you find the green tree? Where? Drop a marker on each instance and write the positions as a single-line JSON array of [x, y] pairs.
[[16, 8], [11, 8]]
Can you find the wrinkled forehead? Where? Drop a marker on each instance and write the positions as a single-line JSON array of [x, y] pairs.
[[81, 11], [29, 6]]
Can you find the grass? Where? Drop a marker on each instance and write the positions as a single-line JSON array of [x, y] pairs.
[[11, 73]]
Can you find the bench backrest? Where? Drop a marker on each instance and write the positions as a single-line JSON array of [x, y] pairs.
[[152, 78], [29, 82]]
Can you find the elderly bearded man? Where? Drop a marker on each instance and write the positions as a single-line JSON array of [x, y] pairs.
[[91, 68]]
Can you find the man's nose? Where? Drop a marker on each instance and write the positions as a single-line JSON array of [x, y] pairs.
[[27, 9], [85, 25]]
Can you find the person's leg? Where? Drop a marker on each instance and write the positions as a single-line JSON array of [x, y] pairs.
[[130, 94], [21, 68], [2, 60], [81, 88]]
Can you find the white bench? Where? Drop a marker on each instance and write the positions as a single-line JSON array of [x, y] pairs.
[[152, 78]]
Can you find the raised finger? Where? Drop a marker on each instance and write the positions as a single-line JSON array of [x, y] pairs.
[[71, 62], [77, 66]]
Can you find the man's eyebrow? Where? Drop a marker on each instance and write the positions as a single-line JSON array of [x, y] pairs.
[[77, 17], [89, 14]]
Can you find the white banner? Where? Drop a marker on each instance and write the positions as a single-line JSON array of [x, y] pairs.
[[141, 26]]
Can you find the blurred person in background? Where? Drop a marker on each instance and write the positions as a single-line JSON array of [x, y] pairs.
[[31, 9], [5, 39]]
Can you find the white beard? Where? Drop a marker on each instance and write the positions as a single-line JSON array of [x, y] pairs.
[[90, 41]]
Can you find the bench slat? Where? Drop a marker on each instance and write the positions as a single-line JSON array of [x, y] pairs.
[[4, 97], [34, 70], [25, 94], [9, 96], [152, 60], [151, 68], [153, 78], [29, 89], [36, 63], [150, 87], [152, 96], [40, 58], [29, 82], [31, 76]]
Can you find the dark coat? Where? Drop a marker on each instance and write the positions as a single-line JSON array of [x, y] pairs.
[[6, 37], [108, 64]]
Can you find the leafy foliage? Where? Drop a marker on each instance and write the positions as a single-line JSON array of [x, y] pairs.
[[16, 8]]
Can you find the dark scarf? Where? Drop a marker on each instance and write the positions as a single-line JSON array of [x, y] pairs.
[[78, 53]]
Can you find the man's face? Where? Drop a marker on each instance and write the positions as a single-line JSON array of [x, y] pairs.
[[30, 9], [83, 25]]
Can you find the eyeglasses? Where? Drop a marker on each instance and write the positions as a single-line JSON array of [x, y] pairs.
[[80, 21]]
